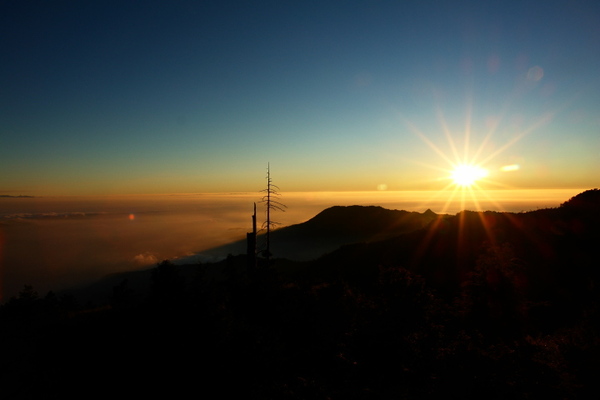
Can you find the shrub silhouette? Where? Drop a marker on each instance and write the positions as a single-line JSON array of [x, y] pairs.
[[168, 287], [493, 298]]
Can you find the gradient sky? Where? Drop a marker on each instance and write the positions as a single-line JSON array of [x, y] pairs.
[[117, 97]]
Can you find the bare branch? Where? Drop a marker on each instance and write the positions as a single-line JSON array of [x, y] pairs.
[[271, 204]]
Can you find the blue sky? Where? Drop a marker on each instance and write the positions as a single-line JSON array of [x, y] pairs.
[[117, 97]]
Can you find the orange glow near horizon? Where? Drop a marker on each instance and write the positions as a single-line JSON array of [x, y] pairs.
[[469, 174]]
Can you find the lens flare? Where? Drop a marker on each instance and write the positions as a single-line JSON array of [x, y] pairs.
[[508, 168]]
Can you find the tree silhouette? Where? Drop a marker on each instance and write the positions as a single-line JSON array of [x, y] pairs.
[[271, 204], [122, 295], [167, 285], [493, 297]]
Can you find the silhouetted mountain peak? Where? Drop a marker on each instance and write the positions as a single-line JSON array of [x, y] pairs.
[[334, 227], [429, 213], [353, 217], [588, 200]]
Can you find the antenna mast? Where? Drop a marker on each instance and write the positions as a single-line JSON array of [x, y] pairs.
[[251, 243]]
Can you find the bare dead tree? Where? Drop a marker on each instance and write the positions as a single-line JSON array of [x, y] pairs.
[[272, 203]]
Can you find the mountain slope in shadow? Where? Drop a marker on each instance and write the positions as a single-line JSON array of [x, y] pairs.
[[550, 253], [324, 233], [547, 248], [330, 229]]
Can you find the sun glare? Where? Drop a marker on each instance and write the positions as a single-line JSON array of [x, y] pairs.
[[466, 175]]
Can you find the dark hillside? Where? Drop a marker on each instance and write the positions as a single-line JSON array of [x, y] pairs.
[[550, 255], [339, 225], [477, 305], [551, 245], [332, 228]]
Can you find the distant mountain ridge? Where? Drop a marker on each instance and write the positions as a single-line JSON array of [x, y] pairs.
[[551, 248], [332, 228], [544, 242], [340, 225]]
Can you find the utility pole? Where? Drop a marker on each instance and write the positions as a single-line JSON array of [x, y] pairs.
[[272, 204], [251, 243]]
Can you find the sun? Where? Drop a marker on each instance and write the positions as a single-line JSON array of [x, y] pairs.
[[466, 175]]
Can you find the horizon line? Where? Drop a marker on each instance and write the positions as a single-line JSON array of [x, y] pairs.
[[246, 192]]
